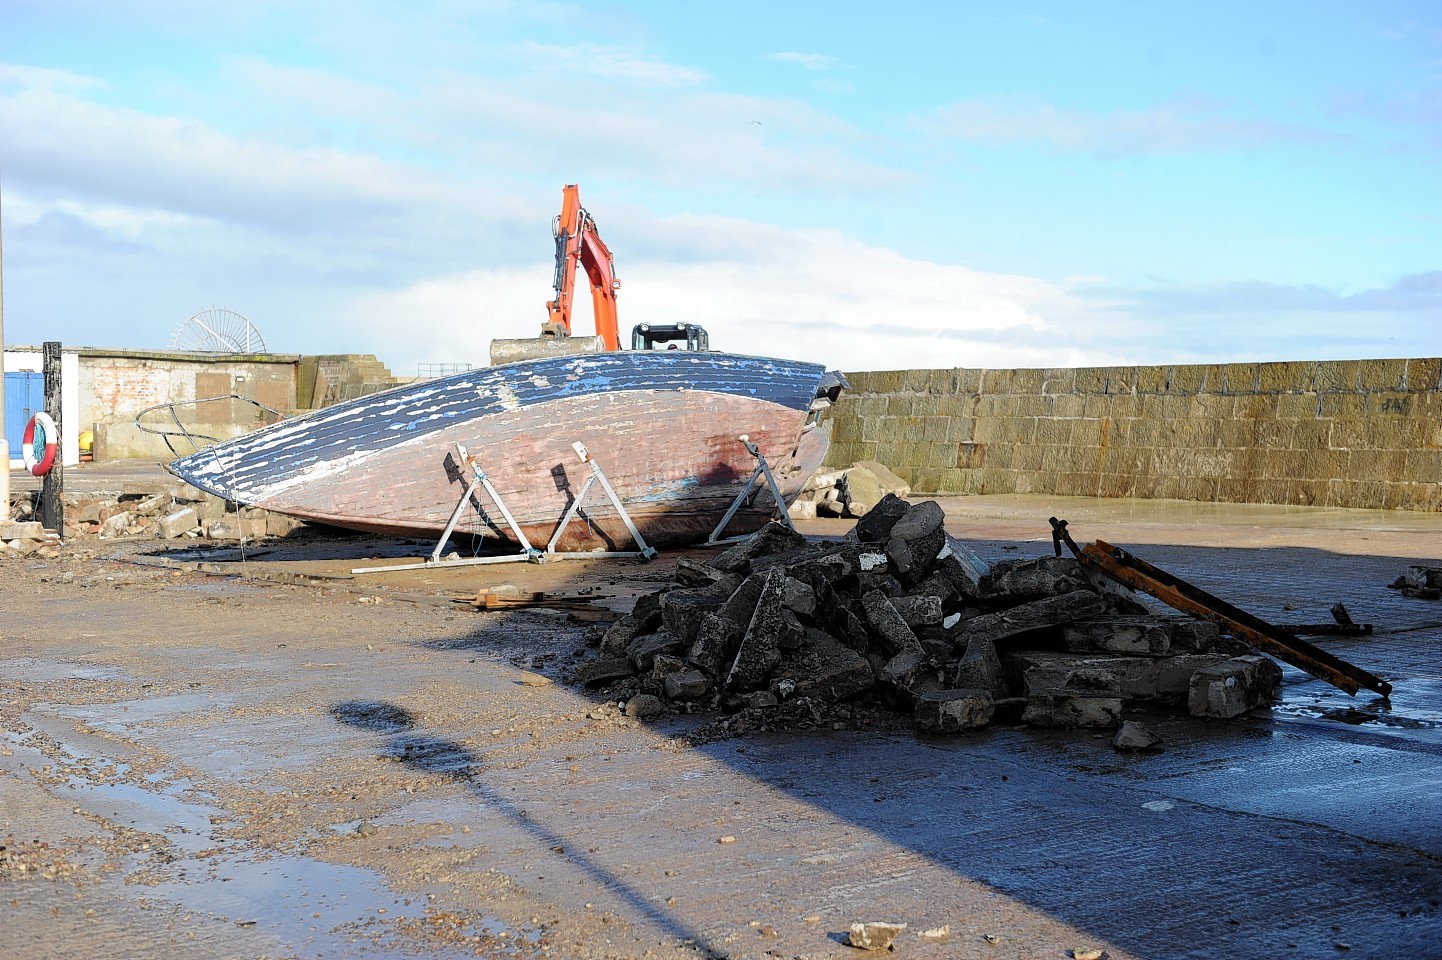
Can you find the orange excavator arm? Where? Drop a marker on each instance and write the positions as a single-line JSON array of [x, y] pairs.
[[577, 241]]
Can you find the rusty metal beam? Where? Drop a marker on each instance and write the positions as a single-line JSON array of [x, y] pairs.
[[1183, 596]]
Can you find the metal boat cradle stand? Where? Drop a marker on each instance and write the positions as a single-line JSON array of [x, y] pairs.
[[463, 460]]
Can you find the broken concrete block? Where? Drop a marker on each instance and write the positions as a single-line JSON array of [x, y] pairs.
[[643, 650], [879, 579], [760, 699], [220, 528], [825, 669], [683, 610], [599, 672], [887, 625], [178, 523], [871, 562], [790, 630], [879, 517], [716, 644], [116, 525], [1072, 709], [644, 705], [647, 607], [799, 597], [1229, 689], [773, 538], [279, 525], [1419, 582], [802, 509], [1134, 736], [18, 530], [153, 504], [618, 636], [1035, 615], [951, 711], [740, 606], [980, 669], [903, 668], [665, 664], [969, 567], [827, 566], [1033, 579], [211, 507], [889, 481], [90, 512], [687, 685], [920, 520], [1166, 679], [1120, 597], [694, 573], [875, 936], [849, 627], [936, 584], [760, 649], [918, 611], [1147, 635]]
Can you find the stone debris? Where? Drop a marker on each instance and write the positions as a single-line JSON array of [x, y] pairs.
[[1229, 689], [1134, 736], [1420, 583], [179, 511], [898, 618], [852, 492], [875, 936]]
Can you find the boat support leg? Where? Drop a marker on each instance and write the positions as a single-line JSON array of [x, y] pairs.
[[463, 460], [597, 475], [762, 469]]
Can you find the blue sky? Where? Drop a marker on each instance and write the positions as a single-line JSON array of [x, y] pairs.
[[869, 185]]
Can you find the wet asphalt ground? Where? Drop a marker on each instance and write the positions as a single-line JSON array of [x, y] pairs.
[[235, 767]]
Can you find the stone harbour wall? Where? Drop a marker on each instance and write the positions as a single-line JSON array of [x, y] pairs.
[[1343, 433]]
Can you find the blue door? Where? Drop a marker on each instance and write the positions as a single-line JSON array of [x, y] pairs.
[[24, 394]]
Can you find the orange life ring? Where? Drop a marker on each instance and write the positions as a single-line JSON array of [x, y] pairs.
[[27, 446]]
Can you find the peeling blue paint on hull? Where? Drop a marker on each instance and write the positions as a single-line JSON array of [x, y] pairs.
[[663, 425]]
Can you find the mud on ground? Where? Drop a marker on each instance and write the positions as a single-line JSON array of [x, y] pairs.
[[223, 766]]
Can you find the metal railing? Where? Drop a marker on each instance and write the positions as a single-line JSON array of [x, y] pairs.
[[172, 427]]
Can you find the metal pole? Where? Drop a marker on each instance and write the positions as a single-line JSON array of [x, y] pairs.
[[4, 441], [52, 501]]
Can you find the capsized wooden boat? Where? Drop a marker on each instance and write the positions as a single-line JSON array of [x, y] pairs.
[[663, 425]]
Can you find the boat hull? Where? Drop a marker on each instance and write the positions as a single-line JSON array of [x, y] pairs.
[[663, 426]]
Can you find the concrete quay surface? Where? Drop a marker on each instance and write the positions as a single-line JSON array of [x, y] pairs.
[[231, 766]]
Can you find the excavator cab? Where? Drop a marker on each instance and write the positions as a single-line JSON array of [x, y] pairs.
[[647, 336]]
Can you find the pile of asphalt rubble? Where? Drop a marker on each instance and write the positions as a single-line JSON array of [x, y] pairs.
[[782, 631]]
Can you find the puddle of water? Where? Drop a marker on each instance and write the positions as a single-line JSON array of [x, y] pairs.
[[49, 671], [305, 903], [185, 823], [123, 716], [1412, 710], [284, 895]]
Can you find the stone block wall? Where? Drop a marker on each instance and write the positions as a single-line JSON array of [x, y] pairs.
[[1345, 433]]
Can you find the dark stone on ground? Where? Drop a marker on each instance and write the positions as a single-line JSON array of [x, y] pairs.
[[875, 526], [599, 672], [760, 649]]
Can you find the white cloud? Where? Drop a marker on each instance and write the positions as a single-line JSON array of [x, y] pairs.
[[21, 76], [586, 58], [811, 61], [1176, 127], [811, 295]]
